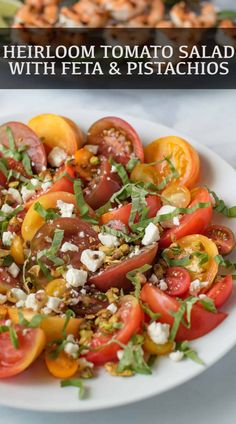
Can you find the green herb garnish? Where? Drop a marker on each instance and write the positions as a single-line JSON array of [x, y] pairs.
[[75, 382], [82, 205], [188, 352], [134, 277], [47, 214]]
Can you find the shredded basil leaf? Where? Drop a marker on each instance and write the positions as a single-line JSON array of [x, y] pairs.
[[135, 278], [188, 352], [227, 14], [75, 382], [14, 337], [34, 323], [82, 205], [120, 169], [133, 357], [154, 316], [47, 214], [221, 207], [69, 314], [132, 163]]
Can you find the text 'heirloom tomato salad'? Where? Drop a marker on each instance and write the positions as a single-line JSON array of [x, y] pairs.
[[108, 253]]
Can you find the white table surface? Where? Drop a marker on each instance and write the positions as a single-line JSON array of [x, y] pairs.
[[209, 117]]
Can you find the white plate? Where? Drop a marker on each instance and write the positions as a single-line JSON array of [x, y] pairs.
[[35, 390]]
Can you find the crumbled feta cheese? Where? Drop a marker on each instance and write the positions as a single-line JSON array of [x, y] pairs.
[[108, 240], [92, 259], [69, 247], [45, 186], [83, 363], [35, 182], [72, 349], [81, 234], [15, 194], [3, 298], [53, 303], [8, 322], [20, 304], [48, 239], [151, 235], [26, 193], [7, 209], [70, 338], [167, 209], [113, 168], [120, 354], [92, 148], [202, 296], [159, 333], [163, 285], [66, 209], [176, 356], [153, 278], [135, 252], [112, 308], [7, 237], [32, 303], [197, 285], [76, 277], [14, 270], [57, 157]]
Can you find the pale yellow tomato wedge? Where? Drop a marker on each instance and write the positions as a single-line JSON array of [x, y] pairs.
[[33, 221], [175, 195], [57, 131]]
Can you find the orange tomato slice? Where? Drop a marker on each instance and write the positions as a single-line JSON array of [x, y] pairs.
[[63, 366], [178, 196], [57, 131], [183, 156], [33, 221]]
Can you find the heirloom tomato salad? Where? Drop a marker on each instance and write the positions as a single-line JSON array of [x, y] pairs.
[[109, 253]]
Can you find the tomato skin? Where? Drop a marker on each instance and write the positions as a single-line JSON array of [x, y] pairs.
[[131, 315], [202, 321], [223, 238], [178, 281], [221, 291], [7, 282], [183, 155], [193, 223], [24, 136], [14, 361], [101, 188], [117, 149], [3, 179], [122, 214], [115, 275]]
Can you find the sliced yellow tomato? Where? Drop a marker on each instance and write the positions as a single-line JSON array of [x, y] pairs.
[[157, 349], [17, 251], [145, 173], [175, 195], [57, 131], [183, 156], [3, 312], [197, 242], [63, 366], [56, 288], [51, 325], [33, 221]]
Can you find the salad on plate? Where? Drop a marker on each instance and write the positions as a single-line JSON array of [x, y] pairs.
[[109, 254]]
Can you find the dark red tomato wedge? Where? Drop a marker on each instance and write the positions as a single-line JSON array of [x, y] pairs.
[[3, 179], [24, 136], [178, 281], [90, 303], [13, 361], [223, 238], [76, 231], [221, 291], [115, 275], [131, 315], [122, 214], [202, 321], [102, 186], [116, 138], [7, 282], [194, 223]]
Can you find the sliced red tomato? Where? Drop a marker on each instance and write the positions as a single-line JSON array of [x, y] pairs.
[[223, 238], [221, 291], [122, 214], [194, 223], [202, 321], [15, 360], [130, 314], [24, 136], [116, 138], [76, 231], [7, 282], [102, 186], [115, 275], [178, 281]]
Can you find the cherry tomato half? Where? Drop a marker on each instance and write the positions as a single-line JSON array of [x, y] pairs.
[[175, 195], [223, 238], [24, 136], [202, 321], [13, 361], [115, 138], [131, 315], [221, 291], [178, 281]]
